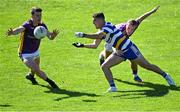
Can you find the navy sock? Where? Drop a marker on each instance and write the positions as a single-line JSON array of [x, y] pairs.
[[111, 83], [31, 75], [52, 83], [164, 74], [135, 72]]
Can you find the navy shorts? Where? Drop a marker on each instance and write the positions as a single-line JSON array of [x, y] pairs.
[[131, 52]]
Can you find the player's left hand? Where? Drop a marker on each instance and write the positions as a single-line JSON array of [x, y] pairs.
[[54, 33], [78, 45]]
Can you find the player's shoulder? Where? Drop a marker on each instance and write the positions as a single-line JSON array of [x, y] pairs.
[[109, 25], [27, 23], [121, 26]]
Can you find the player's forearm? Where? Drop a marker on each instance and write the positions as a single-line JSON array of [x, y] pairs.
[[49, 35], [141, 18], [92, 36], [144, 16], [52, 35], [91, 46], [17, 31]]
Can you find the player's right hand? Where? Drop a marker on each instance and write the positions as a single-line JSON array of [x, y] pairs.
[[9, 32], [54, 33], [79, 34], [77, 44], [155, 9]]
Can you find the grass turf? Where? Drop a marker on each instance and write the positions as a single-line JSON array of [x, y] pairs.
[[77, 71]]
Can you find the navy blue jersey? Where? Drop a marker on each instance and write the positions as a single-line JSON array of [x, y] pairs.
[[28, 42]]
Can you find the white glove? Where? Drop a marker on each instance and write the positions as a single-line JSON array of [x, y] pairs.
[[79, 34]]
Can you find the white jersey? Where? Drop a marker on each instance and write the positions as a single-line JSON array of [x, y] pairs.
[[115, 37], [108, 47]]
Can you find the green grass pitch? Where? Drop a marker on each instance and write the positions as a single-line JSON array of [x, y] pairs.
[[77, 71]]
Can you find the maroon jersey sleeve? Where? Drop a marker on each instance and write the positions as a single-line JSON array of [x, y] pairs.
[[25, 25]]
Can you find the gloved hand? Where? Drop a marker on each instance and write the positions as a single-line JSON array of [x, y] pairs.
[[78, 45], [79, 34]]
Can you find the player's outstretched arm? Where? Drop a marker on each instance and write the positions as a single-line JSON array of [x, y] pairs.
[[144, 16], [94, 45], [52, 35], [15, 31], [90, 36]]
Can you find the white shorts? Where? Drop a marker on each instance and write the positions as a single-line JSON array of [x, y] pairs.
[[30, 55]]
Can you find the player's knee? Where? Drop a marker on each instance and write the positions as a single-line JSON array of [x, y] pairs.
[[104, 66], [37, 70], [31, 65], [133, 63]]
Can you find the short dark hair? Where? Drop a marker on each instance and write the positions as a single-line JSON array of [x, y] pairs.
[[35, 9], [99, 15], [133, 22]]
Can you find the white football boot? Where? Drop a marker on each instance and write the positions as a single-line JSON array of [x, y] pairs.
[[112, 89]]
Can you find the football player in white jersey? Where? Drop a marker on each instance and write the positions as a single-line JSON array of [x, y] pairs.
[[108, 49], [125, 49]]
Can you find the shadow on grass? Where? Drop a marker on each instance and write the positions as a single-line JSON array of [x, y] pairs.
[[5, 105], [69, 93], [156, 90], [89, 100]]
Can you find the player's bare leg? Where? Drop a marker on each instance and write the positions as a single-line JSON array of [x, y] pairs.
[[105, 54], [141, 61], [37, 61], [134, 68], [111, 61], [101, 57], [30, 75], [30, 63]]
